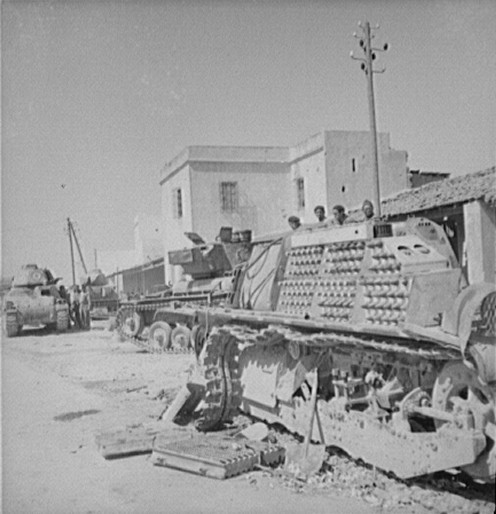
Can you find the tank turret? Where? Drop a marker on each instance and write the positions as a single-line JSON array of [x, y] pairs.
[[30, 275], [215, 259], [104, 299], [35, 300], [95, 277]]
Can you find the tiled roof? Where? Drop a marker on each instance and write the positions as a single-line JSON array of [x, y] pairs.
[[474, 186]]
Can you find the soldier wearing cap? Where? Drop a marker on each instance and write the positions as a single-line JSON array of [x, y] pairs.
[[294, 222]]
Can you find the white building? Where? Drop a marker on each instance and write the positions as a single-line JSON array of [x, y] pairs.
[[148, 248], [148, 239], [335, 167], [258, 188]]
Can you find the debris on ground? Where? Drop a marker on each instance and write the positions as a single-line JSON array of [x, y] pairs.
[[185, 403], [265, 452], [256, 432], [135, 440], [214, 457]]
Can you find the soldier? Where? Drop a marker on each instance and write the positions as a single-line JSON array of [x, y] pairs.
[[85, 306], [75, 305], [65, 296], [294, 222], [319, 211], [368, 209], [339, 214]]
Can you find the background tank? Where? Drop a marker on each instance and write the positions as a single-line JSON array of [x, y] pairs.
[[34, 300], [208, 272], [103, 296]]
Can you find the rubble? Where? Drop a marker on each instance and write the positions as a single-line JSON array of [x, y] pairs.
[[258, 451]]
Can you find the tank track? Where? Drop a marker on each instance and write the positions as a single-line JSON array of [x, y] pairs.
[[225, 344], [220, 361], [274, 334], [142, 342], [246, 338]]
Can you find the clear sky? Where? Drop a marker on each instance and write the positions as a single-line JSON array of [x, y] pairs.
[[98, 95]]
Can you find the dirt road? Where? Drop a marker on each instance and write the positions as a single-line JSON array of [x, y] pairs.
[[59, 391]]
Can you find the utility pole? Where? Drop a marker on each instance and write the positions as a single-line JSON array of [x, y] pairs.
[[69, 231], [78, 247], [365, 42]]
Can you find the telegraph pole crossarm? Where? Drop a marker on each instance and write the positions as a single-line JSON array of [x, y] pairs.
[[365, 42]]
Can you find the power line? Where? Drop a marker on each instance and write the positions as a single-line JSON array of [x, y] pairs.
[[365, 42]]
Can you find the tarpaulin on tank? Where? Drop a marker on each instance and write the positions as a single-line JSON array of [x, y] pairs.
[[257, 289]]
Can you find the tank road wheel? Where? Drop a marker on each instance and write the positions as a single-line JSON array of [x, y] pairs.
[[198, 337], [62, 323], [130, 323], [181, 337], [159, 336], [458, 388], [11, 325]]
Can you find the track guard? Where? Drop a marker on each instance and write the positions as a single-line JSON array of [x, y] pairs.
[[457, 320]]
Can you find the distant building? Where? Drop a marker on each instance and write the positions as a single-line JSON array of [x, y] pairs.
[[139, 280], [148, 244], [419, 178], [139, 269], [258, 188], [205, 188], [335, 167]]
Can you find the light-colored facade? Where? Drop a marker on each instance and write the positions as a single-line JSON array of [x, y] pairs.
[[148, 248], [335, 167], [206, 188], [257, 188], [480, 241], [148, 243]]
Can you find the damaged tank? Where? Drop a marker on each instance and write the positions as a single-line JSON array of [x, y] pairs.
[[378, 319], [34, 300], [208, 276]]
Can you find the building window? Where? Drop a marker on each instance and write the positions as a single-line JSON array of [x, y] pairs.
[[300, 192], [177, 203], [229, 196]]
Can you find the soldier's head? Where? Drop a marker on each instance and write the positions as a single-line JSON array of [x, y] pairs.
[[319, 211], [339, 214], [294, 222], [368, 209]]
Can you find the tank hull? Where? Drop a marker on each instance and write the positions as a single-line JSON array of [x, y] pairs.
[[381, 319]]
